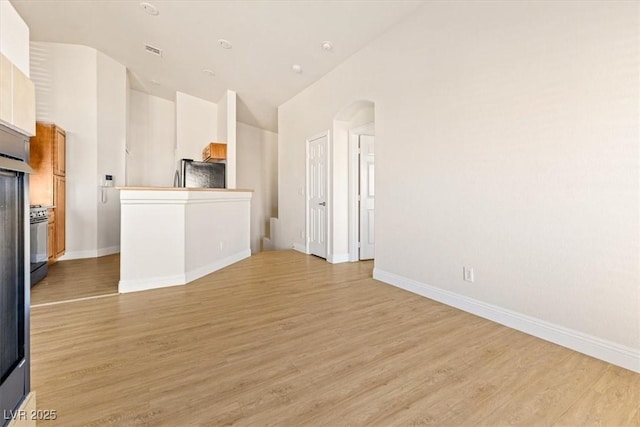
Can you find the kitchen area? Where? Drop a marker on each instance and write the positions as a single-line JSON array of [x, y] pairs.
[[162, 238], [173, 235]]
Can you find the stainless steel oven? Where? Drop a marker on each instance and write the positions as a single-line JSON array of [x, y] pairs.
[[14, 279], [39, 227]]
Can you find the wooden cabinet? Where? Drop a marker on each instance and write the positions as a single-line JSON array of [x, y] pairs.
[[59, 152], [48, 183], [214, 152], [60, 194], [51, 252]]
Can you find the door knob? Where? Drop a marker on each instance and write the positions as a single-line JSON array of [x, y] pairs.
[[323, 204]]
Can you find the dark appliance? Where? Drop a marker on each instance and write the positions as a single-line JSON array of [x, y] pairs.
[[193, 174], [14, 289], [39, 227]]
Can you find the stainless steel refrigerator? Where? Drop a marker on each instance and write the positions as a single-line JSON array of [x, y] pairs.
[[194, 174]]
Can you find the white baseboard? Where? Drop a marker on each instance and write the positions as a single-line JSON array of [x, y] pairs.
[[300, 248], [338, 258], [135, 285], [217, 265], [93, 253], [108, 251], [608, 351]]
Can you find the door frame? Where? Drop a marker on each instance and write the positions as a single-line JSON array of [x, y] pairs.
[[354, 180], [329, 216]]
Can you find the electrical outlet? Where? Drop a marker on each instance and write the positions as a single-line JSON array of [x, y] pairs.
[[302, 234], [221, 245], [467, 274]]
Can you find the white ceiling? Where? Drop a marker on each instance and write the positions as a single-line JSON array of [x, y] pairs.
[[268, 37]]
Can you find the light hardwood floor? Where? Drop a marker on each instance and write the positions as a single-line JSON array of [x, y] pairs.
[[287, 339], [81, 278]]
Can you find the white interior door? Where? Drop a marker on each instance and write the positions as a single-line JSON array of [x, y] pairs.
[[317, 195], [367, 197]]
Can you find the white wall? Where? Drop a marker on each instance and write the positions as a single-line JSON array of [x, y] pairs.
[[14, 37], [112, 134], [152, 141], [65, 77], [231, 140], [223, 117], [196, 126], [84, 92], [506, 140], [227, 133], [258, 170]]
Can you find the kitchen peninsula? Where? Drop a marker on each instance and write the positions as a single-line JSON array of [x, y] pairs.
[[172, 236]]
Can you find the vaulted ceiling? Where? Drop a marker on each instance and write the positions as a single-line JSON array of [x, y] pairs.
[[267, 37]]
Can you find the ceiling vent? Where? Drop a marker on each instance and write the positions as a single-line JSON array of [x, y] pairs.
[[153, 50]]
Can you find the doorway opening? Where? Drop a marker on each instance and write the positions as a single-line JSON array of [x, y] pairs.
[[362, 193], [352, 185]]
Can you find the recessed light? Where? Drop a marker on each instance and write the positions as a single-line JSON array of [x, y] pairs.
[[209, 72], [296, 68], [149, 8], [327, 46], [155, 82], [226, 44]]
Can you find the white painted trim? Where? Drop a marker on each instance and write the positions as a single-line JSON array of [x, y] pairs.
[[301, 248], [338, 258], [329, 224], [135, 285], [217, 265], [136, 196], [93, 253], [608, 351], [354, 217], [354, 179], [108, 251]]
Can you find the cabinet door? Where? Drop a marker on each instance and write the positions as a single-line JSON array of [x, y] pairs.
[[219, 151], [24, 102], [59, 141], [52, 242], [60, 200]]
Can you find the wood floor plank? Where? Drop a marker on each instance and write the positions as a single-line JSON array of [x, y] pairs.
[[287, 339], [613, 400], [79, 278]]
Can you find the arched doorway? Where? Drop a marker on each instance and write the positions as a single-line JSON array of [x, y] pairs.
[[353, 222]]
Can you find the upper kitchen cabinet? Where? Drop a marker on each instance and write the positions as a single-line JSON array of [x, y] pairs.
[[214, 152], [59, 151], [17, 98]]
